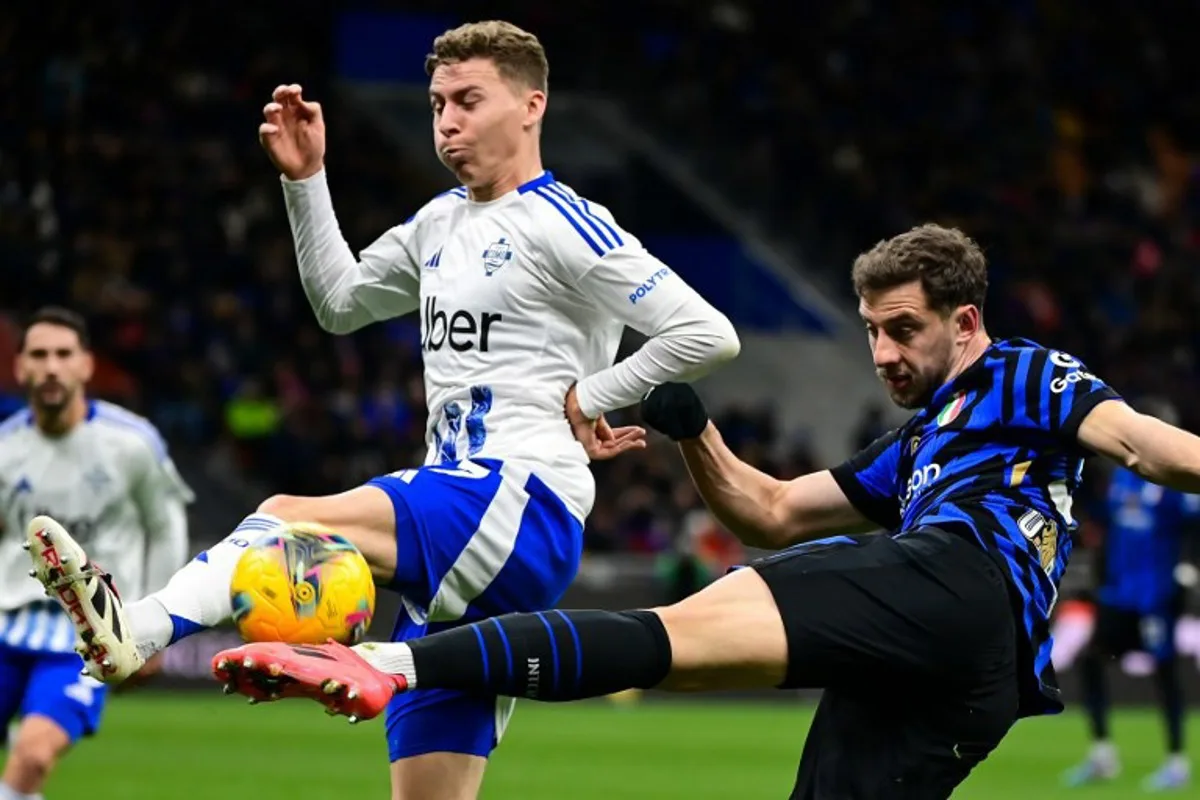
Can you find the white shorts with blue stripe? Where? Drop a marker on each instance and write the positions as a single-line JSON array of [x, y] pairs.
[[40, 672], [474, 539]]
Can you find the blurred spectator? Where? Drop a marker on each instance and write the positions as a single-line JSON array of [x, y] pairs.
[[1061, 136]]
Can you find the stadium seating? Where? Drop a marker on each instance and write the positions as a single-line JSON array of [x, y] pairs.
[[131, 186]]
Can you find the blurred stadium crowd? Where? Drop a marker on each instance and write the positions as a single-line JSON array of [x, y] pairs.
[[132, 187]]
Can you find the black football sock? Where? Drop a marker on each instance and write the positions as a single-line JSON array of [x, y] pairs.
[[552, 656], [1095, 695], [1170, 694]]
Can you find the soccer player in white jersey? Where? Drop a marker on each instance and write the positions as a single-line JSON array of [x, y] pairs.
[[105, 472], [523, 289]]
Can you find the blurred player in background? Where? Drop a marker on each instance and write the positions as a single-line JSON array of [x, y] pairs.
[[929, 641], [524, 289], [1139, 604], [104, 471]]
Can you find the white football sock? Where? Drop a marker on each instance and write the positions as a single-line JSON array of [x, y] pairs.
[[394, 658], [196, 597], [1104, 753], [9, 793]]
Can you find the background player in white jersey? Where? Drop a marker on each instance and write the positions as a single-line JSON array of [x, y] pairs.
[[524, 289], [104, 471]]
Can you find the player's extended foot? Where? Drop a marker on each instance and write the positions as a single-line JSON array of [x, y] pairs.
[[87, 595], [1090, 772], [1171, 776], [332, 674]]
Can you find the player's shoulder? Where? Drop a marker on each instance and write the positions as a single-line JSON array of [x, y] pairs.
[[1017, 348], [440, 207], [569, 219], [126, 427], [21, 420]]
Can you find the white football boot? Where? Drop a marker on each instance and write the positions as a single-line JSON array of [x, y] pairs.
[[87, 595]]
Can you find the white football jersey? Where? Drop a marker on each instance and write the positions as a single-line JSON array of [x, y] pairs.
[[111, 482], [519, 298]]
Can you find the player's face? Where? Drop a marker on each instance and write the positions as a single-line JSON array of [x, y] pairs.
[[913, 346], [479, 118], [53, 367]]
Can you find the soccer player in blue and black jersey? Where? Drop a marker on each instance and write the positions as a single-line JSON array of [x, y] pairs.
[[930, 639], [1138, 608]]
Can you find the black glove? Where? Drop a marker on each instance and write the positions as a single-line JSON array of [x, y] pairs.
[[675, 410]]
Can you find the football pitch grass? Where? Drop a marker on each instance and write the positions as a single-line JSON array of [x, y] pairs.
[[195, 745]]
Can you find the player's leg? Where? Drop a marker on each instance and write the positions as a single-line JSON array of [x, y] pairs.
[[60, 706], [118, 640], [727, 636], [439, 738], [921, 666], [866, 741], [36, 747], [438, 776], [838, 613], [487, 538], [439, 742], [14, 673], [472, 539], [197, 596], [1114, 634], [1158, 637]]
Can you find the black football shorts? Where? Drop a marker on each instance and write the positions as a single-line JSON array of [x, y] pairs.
[[914, 641]]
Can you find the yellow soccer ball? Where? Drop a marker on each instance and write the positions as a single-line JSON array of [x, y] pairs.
[[303, 584]]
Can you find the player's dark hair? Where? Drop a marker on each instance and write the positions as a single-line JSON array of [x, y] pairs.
[[63, 318], [949, 264], [517, 54]]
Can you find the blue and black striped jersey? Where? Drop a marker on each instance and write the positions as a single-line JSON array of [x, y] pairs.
[[993, 457]]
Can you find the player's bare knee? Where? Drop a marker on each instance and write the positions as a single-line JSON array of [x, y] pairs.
[[364, 516], [32, 765], [284, 506], [34, 753], [728, 634]]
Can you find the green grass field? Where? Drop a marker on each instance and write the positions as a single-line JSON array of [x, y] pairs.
[[159, 745]]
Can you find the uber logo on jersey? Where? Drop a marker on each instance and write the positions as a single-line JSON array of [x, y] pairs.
[[461, 330]]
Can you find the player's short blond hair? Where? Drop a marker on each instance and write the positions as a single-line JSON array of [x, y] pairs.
[[517, 53]]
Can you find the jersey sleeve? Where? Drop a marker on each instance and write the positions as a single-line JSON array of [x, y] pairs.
[[161, 497], [348, 293], [870, 480], [1066, 390], [611, 269]]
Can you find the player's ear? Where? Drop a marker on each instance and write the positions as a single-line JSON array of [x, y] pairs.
[[535, 107], [18, 373], [967, 321], [88, 367]]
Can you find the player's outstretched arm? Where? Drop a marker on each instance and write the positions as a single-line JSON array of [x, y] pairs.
[[345, 293], [760, 510], [1155, 450]]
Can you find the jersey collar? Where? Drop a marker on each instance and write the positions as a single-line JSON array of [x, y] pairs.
[[545, 179]]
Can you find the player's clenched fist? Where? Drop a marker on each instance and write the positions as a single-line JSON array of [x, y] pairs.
[[293, 134]]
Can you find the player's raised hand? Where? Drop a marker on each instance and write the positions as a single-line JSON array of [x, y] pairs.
[[600, 440], [294, 133]]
